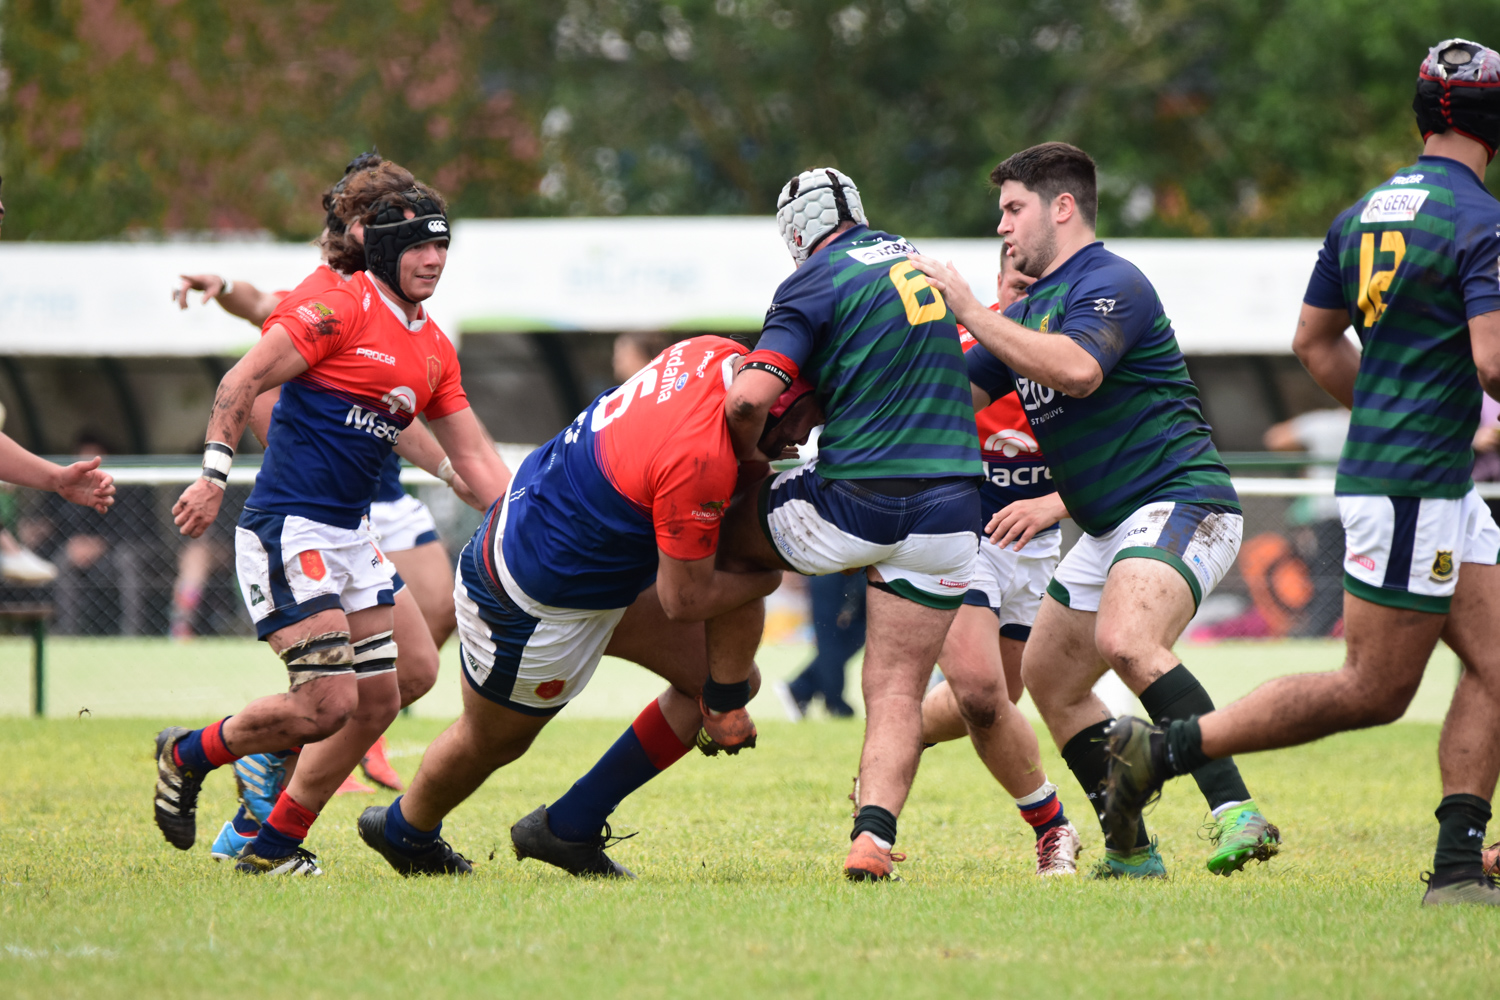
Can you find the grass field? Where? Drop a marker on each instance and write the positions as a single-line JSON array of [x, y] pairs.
[[739, 893]]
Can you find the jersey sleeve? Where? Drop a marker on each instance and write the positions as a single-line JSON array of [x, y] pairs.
[[449, 396], [799, 318], [1479, 268], [691, 494], [988, 372], [319, 323], [1325, 289], [1108, 311]]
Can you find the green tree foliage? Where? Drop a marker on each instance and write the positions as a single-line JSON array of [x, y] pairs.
[[1207, 117]]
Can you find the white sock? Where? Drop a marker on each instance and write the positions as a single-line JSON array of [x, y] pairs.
[[1220, 810], [884, 845]]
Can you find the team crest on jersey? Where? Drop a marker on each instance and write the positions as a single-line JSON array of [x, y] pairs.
[[1045, 321], [434, 372], [312, 564], [401, 398], [1442, 566]]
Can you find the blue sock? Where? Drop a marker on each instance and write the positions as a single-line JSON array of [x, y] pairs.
[[272, 843], [244, 824], [402, 835], [642, 752]]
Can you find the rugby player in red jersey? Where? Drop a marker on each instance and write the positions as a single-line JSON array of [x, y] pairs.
[[606, 543], [358, 362]]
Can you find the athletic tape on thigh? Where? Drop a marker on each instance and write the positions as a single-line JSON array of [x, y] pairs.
[[375, 654], [319, 656]]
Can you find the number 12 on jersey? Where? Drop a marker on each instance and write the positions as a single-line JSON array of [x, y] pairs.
[[1372, 283]]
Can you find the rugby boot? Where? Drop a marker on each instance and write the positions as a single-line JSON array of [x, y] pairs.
[[730, 731], [299, 862], [229, 843], [1481, 890], [1133, 779], [533, 838], [439, 859], [1490, 856], [177, 788], [869, 862], [259, 778], [353, 786], [377, 767], [1241, 834], [1143, 863], [1057, 851]]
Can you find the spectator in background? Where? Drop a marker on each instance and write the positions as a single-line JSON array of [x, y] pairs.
[[838, 616], [1321, 434], [634, 351]]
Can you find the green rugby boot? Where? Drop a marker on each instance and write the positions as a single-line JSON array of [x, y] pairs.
[[1479, 890], [1241, 834], [1142, 863]]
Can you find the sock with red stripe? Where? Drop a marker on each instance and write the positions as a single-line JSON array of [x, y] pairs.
[[244, 824], [284, 830], [202, 750], [1042, 809], [642, 752]]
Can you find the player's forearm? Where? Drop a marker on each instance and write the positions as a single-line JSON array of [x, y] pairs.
[[248, 302], [233, 404], [21, 468], [719, 593], [417, 445], [1049, 359]]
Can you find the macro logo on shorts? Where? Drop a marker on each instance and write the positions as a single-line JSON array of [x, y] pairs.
[[399, 399], [312, 564], [1011, 442], [1362, 560], [1442, 566]]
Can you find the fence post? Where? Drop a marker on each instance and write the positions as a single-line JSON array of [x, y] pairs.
[[39, 667]]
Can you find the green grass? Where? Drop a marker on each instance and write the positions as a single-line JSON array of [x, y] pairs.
[[740, 892]]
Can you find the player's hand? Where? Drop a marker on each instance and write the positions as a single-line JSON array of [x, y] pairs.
[[465, 494], [196, 509], [209, 284], [1019, 522], [86, 485], [956, 291]]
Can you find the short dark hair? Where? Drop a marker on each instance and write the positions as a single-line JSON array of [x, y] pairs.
[[1050, 169]]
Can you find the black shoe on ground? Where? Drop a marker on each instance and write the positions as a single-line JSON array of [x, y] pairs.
[[439, 859], [1133, 780], [533, 838], [176, 792]]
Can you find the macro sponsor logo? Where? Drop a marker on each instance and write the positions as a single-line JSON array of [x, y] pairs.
[[1011, 442], [370, 422], [952, 584], [669, 380], [1361, 560], [712, 510], [401, 398], [1104, 306], [437, 226], [1408, 179], [1400, 205], [1016, 475], [1034, 395], [381, 356], [883, 250]]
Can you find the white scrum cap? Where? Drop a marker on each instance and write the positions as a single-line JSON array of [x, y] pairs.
[[812, 205]]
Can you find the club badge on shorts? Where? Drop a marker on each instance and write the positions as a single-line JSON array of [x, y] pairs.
[[1442, 566]]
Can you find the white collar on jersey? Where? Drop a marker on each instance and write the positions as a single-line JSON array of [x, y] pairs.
[[416, 325]]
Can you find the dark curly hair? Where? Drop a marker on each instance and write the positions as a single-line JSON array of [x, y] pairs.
[[364, 190]]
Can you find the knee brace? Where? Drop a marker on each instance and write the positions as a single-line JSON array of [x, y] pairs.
[[375, 654], [324, 655]]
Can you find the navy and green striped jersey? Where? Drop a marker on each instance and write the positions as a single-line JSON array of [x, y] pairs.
[[1140, 437], [1413, 261], [862, 323]]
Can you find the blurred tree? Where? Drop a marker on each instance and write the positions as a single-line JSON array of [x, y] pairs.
[[1207, 117]]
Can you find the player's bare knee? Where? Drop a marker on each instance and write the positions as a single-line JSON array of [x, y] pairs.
[[980, 709]]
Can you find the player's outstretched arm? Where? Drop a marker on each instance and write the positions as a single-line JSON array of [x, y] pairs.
[[238, 298], [1056, 362], [1484, 336], [746, 404], [272, 361], [474, 458], [1019, 521], [1329, 356], [82, 483], [420, 448], [695, 591]]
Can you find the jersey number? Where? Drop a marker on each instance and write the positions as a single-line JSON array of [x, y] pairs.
[[909, 281], [1372, 283], [613, 407]]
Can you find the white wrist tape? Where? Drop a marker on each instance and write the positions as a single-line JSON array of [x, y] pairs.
[[445, 470], [218, 459]]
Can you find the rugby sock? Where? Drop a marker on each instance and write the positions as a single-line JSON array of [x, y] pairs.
[[1177, 694], [642, 752], [1461, 823], [202, 750], [1087, 757], [1181, 749], [244, 824], [284, 830], [879, 823], [405, 837], [1042, 809]]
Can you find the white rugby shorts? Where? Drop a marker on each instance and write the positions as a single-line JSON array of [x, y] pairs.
[[1012, 583], [1200, 541], [402, 524], [290, 568], [1405, 552]]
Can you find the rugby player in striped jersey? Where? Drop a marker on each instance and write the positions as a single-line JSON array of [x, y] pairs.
[[1414, 266], [1104, 385]]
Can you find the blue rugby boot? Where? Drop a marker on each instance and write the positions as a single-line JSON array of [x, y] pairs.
[[235, 837], [259, 779]]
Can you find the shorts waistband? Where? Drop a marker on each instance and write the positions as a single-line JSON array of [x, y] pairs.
[[901, 487]]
